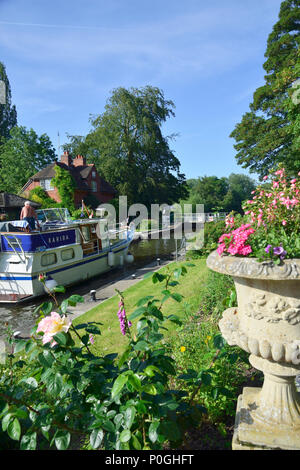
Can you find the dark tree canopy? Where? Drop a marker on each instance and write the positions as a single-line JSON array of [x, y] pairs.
[[270, 132], [129, 150], [8, 113], [21, 156]]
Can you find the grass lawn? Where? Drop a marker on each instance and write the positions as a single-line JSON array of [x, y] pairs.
[[105, 314]]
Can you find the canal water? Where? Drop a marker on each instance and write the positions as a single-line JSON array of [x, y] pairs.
[[19, 317]]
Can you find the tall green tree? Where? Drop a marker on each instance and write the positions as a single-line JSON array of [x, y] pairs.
[[21, 156], [129, 150], [220, 194], [270, 132], [8, 113]]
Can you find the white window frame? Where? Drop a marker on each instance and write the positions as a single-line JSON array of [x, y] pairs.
[[46, 184]]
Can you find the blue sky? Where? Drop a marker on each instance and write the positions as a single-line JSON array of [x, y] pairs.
[[63, 59]]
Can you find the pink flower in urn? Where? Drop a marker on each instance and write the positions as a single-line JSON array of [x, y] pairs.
[[52, 325]]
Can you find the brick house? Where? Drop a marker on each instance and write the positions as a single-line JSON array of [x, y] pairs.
[[88, 181]]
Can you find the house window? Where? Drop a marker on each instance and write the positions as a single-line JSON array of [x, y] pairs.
[[93, 174], [94, 186], [46, 184]]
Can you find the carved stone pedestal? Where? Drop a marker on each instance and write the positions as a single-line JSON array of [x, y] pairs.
[[269, 417], [266, 324]]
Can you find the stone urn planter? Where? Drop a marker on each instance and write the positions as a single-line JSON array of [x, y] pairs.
[[266, 324]]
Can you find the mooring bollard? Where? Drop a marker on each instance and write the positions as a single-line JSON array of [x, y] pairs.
[[158, 261], [133, 276], [93, 296]]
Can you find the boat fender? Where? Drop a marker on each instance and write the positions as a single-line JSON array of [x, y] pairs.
[[129, 258], [121, 260]]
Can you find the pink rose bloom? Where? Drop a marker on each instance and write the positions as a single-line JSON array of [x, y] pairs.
[[52, 325], [265, 177], [284, 222]]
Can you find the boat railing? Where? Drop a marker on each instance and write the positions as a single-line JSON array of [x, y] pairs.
[[12, 244]]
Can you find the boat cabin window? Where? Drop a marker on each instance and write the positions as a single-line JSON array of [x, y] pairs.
[[67, 254], [86, 233], [48, 258]]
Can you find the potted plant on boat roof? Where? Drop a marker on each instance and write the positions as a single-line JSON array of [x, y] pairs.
[[261, 251]]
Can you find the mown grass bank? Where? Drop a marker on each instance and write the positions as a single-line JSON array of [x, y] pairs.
[[105, 314]]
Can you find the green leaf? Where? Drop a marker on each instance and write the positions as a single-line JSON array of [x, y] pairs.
[[46, 358], [20, 344], [175, 319], [109, 426], [46, 307], [96, 438], [155, 312], [59, 289], [141, 346], [14, 429], [62, 439], [75, 298], [219, 341], [61, 338], [151, 370], [5, 421], [64, 306], [135, 442], [134, 380], [119, 384], [129, 416], [138, 312], [153, 431], [206, 378], [31, 382], [55, 384], [28, 441], [177, 297], [157, 277], [144, 300], [125, 435], [150, 389]]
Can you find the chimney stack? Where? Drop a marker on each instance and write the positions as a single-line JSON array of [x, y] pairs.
[[66, 159], [79, 161]]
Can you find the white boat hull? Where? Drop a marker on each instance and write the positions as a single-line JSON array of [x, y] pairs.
[[20, 269]]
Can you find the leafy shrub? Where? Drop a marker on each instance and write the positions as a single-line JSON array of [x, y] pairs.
[[61, 389]]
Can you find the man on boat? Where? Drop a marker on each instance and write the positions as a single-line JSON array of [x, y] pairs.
[[28, 213]]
